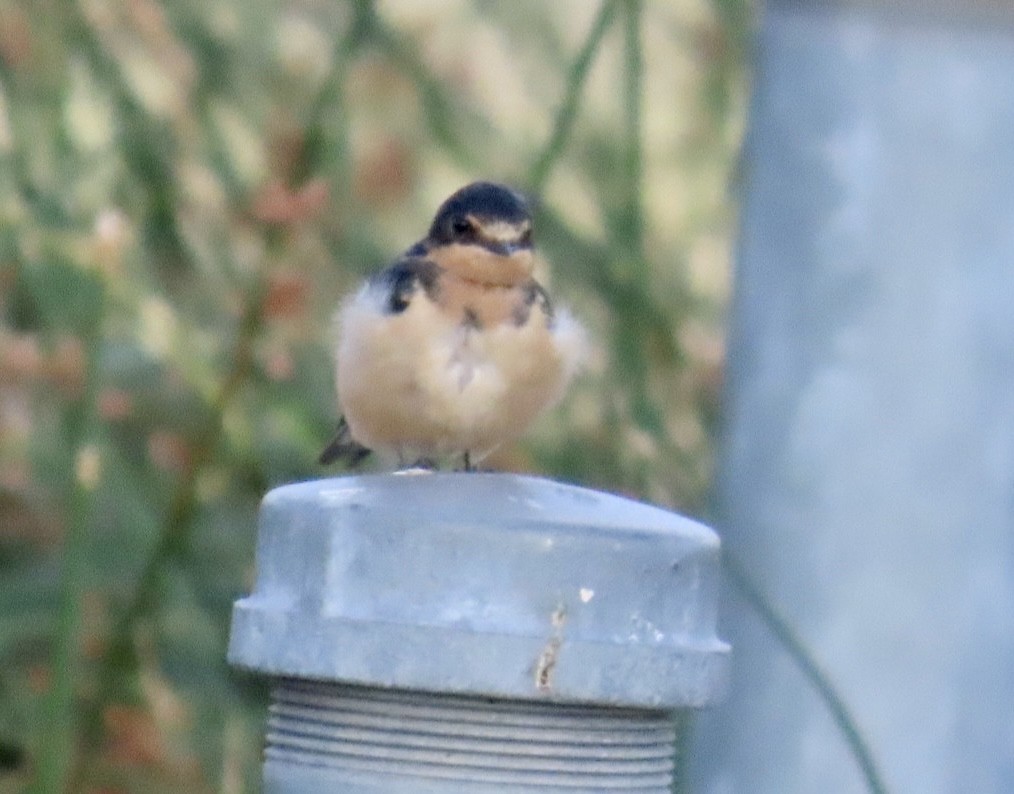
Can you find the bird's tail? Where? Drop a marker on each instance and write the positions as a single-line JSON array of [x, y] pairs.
[[343, 447]]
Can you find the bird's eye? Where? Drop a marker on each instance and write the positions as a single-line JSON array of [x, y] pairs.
[[462, 227]]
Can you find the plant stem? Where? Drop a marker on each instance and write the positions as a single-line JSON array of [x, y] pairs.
[[176, 531], [633, 158], [565, 116], [57, 744], [789, 640], [445, 118]]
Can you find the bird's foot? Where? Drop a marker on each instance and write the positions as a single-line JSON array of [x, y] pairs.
[[420, 466], [468, 466]]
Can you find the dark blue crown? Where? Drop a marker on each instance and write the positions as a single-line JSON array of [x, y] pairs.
[[485, 200]]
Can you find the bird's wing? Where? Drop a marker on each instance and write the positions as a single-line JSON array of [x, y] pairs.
[[400, 281]]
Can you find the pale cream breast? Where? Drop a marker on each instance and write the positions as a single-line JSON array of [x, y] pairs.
[[422, 382], [480, 266]]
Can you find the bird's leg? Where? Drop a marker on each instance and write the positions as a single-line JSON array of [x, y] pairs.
[[425, 463], [467, 459]]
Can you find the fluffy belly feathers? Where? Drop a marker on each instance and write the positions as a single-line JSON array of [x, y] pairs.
[[424, 383]]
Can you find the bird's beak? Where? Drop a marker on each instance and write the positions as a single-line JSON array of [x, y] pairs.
[[506, 249]]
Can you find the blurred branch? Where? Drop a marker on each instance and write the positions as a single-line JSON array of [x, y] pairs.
[[565, 116], [444, 119], [177, 527], [804, 660], [633, 159], [57, 747], [735, 20], [642, 339], [147, 144]]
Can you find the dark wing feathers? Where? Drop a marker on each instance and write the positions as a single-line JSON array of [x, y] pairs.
[[403, 278], [343, 447], [535, 295]]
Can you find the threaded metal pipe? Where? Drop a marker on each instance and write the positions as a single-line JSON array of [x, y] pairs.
[[352, 735], [476, 633]]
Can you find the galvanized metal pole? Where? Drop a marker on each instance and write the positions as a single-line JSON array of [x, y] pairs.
[[476, 633], [867, 473]]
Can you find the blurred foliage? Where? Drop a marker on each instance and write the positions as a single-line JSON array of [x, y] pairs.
[[186, 191]]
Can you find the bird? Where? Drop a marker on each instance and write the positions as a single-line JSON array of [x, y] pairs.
[[455, 348]]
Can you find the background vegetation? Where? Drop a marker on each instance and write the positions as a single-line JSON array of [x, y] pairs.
[[186, 191]]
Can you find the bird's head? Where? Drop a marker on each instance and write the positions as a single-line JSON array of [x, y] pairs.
[[483, 233]]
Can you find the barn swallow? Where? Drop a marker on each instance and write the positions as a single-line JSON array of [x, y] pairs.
[[455, 348]]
